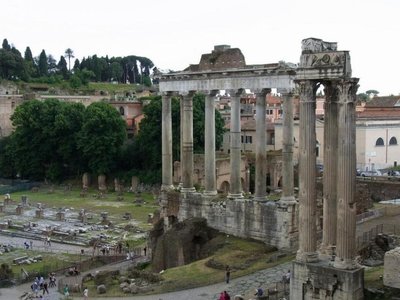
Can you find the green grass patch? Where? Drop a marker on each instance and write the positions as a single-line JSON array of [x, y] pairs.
[[373, 277], [243, 256], [50, 261], [58, 198]]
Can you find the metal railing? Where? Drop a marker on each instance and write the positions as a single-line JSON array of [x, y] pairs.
[[371, 214]]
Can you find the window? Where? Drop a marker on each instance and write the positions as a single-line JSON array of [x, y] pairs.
[[393, 141], [122, 111], [379, 142], [249, 139]]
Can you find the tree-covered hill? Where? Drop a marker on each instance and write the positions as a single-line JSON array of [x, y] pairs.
[[44, 68]]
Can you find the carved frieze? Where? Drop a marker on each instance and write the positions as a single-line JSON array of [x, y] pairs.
[[324, 59], [311, 45]]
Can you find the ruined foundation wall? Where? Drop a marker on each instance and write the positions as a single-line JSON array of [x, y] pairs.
[[266, 221]]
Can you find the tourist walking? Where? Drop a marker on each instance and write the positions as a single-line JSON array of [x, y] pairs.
[[45, 289], [66, 290], [227, 273], [85, 293]]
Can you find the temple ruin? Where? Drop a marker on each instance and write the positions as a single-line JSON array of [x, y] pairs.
[[329, 272]]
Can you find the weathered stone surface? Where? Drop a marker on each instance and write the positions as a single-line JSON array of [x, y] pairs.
[[181, 244], [267, 221], [318, 280], [101, 289], [391, 268]]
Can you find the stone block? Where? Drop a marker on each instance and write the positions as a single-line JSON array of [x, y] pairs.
[[319, 280], [391, 275]]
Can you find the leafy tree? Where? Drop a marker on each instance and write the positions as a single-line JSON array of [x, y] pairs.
[[28, 54], [12, 65], [363, 97], [7, 157], [372, 93], [6, 272], [101, 137], [76, 65], [42, 64], [51, 64], [69, 53], [5, 45], [62, 67]]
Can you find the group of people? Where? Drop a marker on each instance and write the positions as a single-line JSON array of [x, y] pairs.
[[28, 245], [85, 292], [39, 284], [224, 296]]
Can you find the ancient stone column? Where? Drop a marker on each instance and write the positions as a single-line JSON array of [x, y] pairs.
[[210, 182], [307, 173], [330, 170], [260, 192], [85, 180], [346, 182], [166, 128], [287, 150], [181, 141], [187, 144], [101, 181], [235, 190]]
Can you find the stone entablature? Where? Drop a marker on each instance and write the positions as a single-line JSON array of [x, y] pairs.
[[250, 77], [321, 60]]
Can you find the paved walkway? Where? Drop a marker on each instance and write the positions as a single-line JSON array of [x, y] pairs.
[[242, 285]]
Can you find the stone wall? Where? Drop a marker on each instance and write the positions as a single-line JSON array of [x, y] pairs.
[[266, 221]]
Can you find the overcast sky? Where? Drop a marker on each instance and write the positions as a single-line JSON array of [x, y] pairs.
[[174, 33]]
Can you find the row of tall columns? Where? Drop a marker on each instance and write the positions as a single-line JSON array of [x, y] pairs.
[[339, 216], [186, 135]]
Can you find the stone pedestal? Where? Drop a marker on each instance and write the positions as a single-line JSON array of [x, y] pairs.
[[7, 201], [391, 268], [101, 180], [104, 218], [322, 281], [85, 180], [134, 183], [39, 213], [19, 210], [24, 200], [60, 215], [83, 217]]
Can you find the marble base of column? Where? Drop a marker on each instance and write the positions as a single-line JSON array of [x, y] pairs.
[[326, 252], [260, 198], [345, 264], [235, 196], [287, 200], [166, 188], [188, 190], [306, 257], [210, 193]]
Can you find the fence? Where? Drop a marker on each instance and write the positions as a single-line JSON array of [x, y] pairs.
[[371, 214], [16, 187], [367, 236]]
